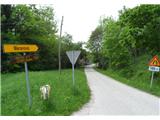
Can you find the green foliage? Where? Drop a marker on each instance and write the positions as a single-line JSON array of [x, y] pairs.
[[95, 43], [139, 77], [62, 101], [152, 36], [135, 33], [31, 24], [68, 45], [144, 19], [129, 43], [114, 46], [139, 16]]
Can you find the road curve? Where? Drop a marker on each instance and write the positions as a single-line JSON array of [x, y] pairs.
[[110, 97]]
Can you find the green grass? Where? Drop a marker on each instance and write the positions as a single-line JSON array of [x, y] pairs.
[[63, 101], [139, 77]]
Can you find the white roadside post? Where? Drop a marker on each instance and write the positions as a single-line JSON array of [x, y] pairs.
[[153, 69], [152, 79], [73, 56]]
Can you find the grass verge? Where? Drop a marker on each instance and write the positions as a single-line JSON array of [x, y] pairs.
[[137, 76], [63, 101], [141, 84]]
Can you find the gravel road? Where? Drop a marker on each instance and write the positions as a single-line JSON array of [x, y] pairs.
[[110, 97]]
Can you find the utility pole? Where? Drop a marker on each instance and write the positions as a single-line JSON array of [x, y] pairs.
[[59, 51]]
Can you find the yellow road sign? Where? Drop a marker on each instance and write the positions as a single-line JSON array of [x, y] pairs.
[[155, 61], [20, 48]]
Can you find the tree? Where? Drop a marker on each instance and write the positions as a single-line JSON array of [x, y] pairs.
[[95, 43], [114, 48], [68, 45], [141, 19], [30, 25]]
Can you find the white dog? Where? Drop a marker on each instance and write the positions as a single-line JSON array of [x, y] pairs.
[[45, 91]]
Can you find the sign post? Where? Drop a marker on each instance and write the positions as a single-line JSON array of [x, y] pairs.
[[27, 83], [152, 79], [73, 71], [22, 59], [154, 67], [11, 48], [73, 56]]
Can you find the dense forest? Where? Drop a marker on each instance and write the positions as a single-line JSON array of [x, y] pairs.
[[115, 44], [118, 44], [33, 24], [123, 48]]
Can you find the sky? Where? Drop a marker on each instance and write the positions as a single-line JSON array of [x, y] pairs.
[[82, 16]]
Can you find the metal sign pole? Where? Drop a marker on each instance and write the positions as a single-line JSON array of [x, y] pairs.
[[152, 79], [73, 70], [73, 75], [73, 56], [27, 83]]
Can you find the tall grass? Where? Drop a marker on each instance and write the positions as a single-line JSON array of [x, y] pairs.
[[62, 101], [137, 76]]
